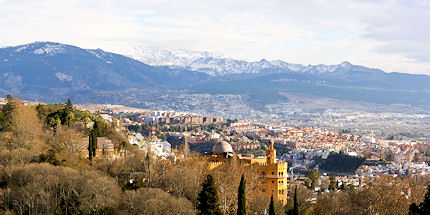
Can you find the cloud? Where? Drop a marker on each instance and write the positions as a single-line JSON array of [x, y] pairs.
[[386, 34], [401, 27]]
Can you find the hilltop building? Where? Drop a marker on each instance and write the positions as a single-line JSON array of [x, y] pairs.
[[273, 173]]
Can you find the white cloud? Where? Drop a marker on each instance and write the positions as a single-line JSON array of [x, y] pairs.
[[387, 34]]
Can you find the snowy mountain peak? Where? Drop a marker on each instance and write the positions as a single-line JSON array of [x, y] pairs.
[[169, 57], [345, 64], [218, 65], [42, 48]]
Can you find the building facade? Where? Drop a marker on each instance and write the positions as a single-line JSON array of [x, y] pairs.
[[273, 174]]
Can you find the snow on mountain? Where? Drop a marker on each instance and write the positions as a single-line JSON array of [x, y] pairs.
[[218, 65], [105, 56], [42, 48], [226, 66], [52, 49], [169, 57]]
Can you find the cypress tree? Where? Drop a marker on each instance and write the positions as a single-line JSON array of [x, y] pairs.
[[93, 136], [208, 198], [241, 201], [90, 146], [69, 105], [67, 115], [148, 169], [296, 203], [272, 206]]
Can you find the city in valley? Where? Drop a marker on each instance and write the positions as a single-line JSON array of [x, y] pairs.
[[303, 148], [169, 150]]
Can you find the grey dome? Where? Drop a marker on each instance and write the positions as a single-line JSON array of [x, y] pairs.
[[222, 147]]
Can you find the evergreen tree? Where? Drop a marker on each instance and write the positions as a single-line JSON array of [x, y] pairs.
[[314, 176], [296, 203], [69, 105], [41, 111], [241, 201], [148, 168], [272, 206], [333, 183], [90, 146], [93, 136], [208, 198], [6, 116], [2, 120], [342, 186], [67, 115], [423, 207]]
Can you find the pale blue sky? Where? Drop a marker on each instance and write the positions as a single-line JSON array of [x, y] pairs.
[[389, 34]]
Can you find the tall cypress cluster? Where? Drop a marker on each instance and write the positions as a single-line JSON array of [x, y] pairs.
[[92, 144]]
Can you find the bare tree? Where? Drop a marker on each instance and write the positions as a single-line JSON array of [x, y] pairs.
[[155, 201]]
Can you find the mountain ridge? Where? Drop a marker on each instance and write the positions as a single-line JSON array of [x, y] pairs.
[[51, 72], [55, 69], [218, 65]]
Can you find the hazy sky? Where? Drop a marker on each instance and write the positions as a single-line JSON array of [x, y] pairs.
[[392, 35]]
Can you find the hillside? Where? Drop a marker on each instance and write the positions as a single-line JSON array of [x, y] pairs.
[[53, 71]]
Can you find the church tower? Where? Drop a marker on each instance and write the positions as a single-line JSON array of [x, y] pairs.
[[271, 153]]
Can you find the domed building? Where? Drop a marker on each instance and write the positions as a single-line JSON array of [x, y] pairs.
[[222, 149]]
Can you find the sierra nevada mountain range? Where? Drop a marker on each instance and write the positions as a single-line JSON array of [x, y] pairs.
[[52, 72]]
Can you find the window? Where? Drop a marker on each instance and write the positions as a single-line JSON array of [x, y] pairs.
[[273, 173], [273, 181], [264, 174], [282, 192], [263, 191], [279, 192]]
